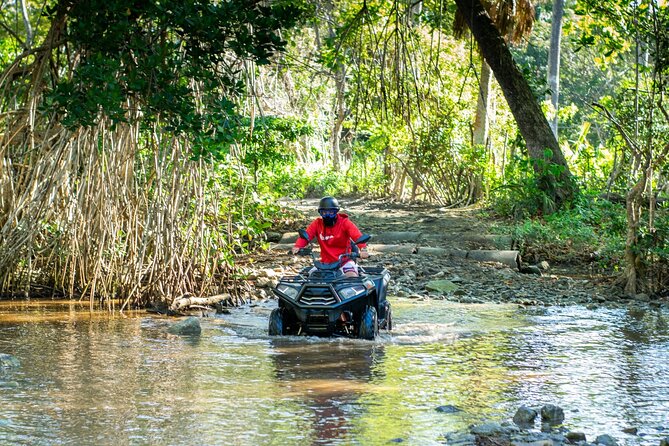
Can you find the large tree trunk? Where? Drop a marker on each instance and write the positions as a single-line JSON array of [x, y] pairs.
[[531, 121], [554, 61], [481, 124]]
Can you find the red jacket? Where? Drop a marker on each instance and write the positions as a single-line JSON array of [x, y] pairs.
[[334, 240]]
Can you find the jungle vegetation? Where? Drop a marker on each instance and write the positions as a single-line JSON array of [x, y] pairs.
[[143, 145]]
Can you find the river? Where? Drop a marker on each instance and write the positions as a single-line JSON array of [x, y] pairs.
[[91, 377]]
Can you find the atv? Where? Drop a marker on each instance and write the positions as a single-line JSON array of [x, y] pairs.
[[321, 301]]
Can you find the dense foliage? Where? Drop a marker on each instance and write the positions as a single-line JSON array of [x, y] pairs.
[[144, 144]]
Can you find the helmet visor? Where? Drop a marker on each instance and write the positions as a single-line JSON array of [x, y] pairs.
[[327, 213]]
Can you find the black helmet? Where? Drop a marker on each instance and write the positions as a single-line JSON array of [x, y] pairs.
[[328, 203]]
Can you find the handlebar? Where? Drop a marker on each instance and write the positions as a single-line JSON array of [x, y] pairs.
[[355, 250]]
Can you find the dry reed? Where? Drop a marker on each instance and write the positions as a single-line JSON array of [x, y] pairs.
[[101, 212]]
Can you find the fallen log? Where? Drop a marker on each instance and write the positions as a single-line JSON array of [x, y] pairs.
[[398, 249], [288, 238], [184, 302], [394, 237], [506, 257], [281, 246], [473, 241], [510, 258]]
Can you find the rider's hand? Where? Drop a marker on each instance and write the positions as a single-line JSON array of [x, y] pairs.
[[364, 254], [295, 250]]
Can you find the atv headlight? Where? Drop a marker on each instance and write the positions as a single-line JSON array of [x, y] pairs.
[[287, 290], [349, 292]]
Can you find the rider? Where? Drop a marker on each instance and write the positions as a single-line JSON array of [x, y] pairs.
[[334, 231]]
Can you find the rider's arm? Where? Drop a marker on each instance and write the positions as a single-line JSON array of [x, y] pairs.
[[312, 231]]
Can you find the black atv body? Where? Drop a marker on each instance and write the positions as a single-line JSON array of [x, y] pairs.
[[322, 301]]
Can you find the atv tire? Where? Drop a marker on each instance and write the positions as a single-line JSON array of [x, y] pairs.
[[276, 326], [369, 324], [389, 318]]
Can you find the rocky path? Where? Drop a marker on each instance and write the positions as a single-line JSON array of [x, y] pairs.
[[424, 248]]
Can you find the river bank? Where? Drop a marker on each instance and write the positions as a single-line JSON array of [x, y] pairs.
[[420, 246]]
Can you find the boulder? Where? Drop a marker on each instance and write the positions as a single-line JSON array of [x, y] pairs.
[[188, 327], [606, 440], [525, 417], [488, 429], [575, 437], [552, 414]]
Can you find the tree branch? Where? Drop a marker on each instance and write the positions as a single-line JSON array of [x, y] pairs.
[[14, 35], [629, 141]]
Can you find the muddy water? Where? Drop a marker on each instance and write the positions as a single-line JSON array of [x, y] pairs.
[[94, 378]]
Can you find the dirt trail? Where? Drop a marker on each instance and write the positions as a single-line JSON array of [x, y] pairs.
[[446, 277]]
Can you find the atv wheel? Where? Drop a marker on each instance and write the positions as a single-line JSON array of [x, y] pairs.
[[389, 318], [369, 324], [276, 327]]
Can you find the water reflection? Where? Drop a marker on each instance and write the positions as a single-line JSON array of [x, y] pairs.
[[329, 378]]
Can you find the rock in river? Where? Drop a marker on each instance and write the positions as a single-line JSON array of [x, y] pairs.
[[552, 414], [606, 440], [449, 408], [525, 416], [190, 326], [8, 362]]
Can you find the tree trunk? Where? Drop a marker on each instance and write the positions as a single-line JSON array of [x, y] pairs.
[[554, 61], [633, 202], [339, 107], [481, 124], [26, 23], [531, 121], [339, 116]]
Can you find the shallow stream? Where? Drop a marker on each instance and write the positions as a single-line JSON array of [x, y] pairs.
[[95, 378]]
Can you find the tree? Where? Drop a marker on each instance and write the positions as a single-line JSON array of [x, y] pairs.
[[123, 118], [641, 122], [554, 61], [541, 144]]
